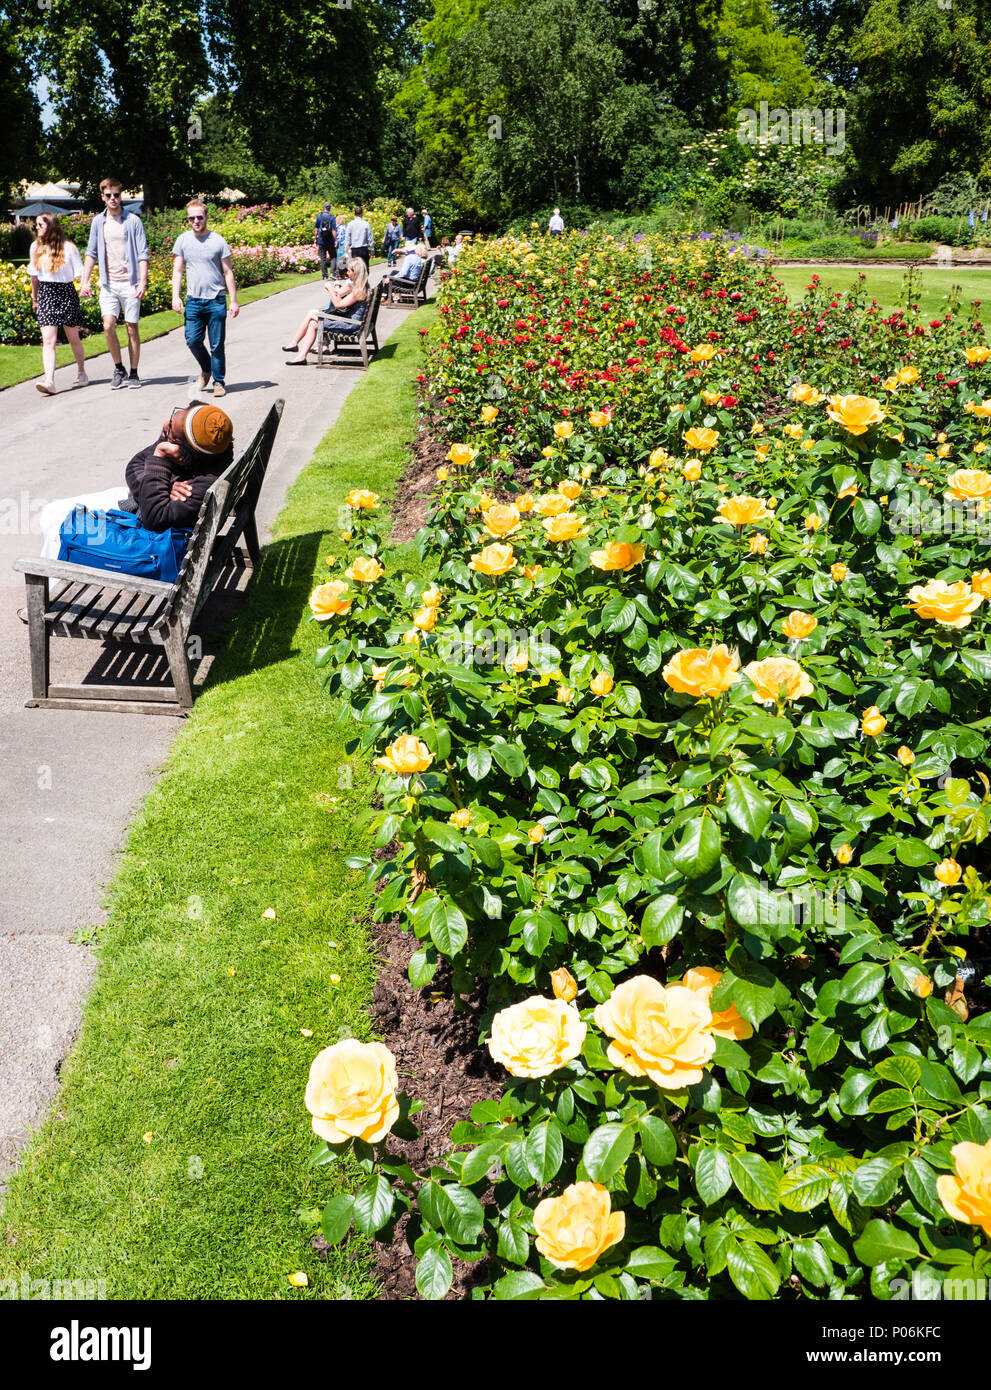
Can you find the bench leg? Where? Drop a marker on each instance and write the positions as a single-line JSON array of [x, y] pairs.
[[175, 653], [37, 602], [250, 537]]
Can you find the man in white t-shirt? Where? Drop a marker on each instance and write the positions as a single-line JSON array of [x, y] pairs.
[[118, 245], [206, 259], [556, 225]]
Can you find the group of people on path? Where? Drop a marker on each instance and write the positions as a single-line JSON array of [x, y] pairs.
[[118, 248]]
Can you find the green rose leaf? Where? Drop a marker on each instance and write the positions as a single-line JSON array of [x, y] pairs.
[[713, 1178], [662, 920], [657, 1140], [543, 1149], [746, 807], [336, 1220], [882, 1243], [875, 1182], [373, 1203], [606, 1150], [752, 1271], [434, 1274], [699, 848], [755, 1180]]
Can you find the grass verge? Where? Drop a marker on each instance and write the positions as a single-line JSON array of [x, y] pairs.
[[174, 1165], [19, 364], [885, 285]]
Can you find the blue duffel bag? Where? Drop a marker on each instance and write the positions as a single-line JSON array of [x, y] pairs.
[[117, 541]]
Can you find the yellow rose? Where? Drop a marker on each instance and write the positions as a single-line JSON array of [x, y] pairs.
[[617, 555], [658, 1032], [727, 1023], [762, 450], [494, 559], [757, 544], [855, 413], [365, 570], [551, 504], [328, 600], [701, 673], [537, 1036], [485, 501], [460, 818], [535, 834], [798, 626], [531, 571], [944, 451], [363, 499], [948, 604], [922, 986], [777, 677], [743, 511], [432, 597], [891, 383], [838, 573], [518, 662], [461, 455], [573, 1230], [567, 527], [426, 619], [850, 490], [489, 413], [907, 375], [711, 397], [601, 684], [806, 395], [570, 488], [351, 1092], [905, 756], [873, 722], [969, 484], [705, 352], [501, 520], [981, 583], [660, 458], [598, 418], [404, 757], [977, 356], [548, 451], [701, 440], [564, 695], [692, 470], [813, 521], [967, 1196], [757, 427], [411, 638], [844, 854], [564, 984], [442, 474], [793, 431], [948, 872], [564, 429], [524, 503]]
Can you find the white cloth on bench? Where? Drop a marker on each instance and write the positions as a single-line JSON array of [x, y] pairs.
[[54, 514]]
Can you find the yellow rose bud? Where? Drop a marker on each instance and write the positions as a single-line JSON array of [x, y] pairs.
[[489, 413], [524, 503], [331, 560], [705, 352], [948, 872], [351, 1092], [598, 418], [601, 684], [564, 984], [813, 521], [548, 451], [406, 755], [658, 459], [518, 662], [442, 474], [711, 397], [692, 471], [762, 450], [564, 429], [536, 1037], [573, 1230], [967, 1195], [570, 488], [531, 571], [535, 834], [873, 722], [794, 431], [905, 756], [461, 818], [426, 619], [844, 854], [432, 597], [798, 625], [461, 455], [922, 986], [757, 544], [564, 695], [838, 573]]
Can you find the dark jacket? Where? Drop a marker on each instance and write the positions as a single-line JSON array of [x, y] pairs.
[[412, 227], [150, 481]]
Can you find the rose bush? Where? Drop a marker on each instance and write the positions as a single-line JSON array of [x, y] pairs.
[[757, 847]]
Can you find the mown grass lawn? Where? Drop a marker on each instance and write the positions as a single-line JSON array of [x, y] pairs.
[[174, 1165], [22, 363], [885, 284]]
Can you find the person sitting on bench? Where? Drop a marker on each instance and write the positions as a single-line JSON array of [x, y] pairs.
[[350, 300], [407, 273], [164, 483]]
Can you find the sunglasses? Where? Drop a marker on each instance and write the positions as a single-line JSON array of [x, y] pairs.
[[170, 429], [111, 197], [196, 217]]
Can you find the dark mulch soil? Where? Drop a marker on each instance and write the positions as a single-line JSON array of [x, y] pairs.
[[439, 1062], [412, 499]]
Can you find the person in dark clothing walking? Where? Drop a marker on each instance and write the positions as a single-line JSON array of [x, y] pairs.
[[412, 227], [326, 238]]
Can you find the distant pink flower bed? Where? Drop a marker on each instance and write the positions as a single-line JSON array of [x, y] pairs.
[[290, 257]]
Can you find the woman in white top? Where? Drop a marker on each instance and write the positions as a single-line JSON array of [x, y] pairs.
[[54, 265]]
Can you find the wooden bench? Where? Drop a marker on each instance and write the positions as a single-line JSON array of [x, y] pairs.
[[132, 610], [341, 341], [412, 293]]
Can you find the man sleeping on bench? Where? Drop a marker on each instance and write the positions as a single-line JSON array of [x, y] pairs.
[[164, 483]]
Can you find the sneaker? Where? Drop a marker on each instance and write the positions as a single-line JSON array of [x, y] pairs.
[[203, 380], [218, 389], [120, 376], [81, 379], [22, 613], [134, 380], [47, 388]]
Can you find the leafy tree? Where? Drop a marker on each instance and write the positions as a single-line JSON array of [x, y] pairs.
[[20, 116], [827, 27], [765, 63]]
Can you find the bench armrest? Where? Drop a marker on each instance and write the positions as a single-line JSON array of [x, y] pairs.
[[41, 568]]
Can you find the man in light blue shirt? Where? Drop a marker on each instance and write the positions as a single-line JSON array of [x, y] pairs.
[[206, 258], [361, 238]]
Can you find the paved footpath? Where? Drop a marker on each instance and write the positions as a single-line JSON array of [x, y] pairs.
[[70, 782]]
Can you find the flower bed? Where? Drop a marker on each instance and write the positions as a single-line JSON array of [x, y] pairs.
[[684, 755]]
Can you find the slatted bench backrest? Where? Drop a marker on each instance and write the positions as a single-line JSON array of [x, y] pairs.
[[233, 497]]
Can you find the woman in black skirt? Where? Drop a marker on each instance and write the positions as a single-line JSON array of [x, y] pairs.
[[54, 264]]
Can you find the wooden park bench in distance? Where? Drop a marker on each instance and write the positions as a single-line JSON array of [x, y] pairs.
[[341, 343], [412, 293], [133, 611]]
